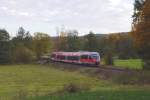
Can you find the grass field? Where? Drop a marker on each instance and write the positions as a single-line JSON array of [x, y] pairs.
[[130, 63], [37, 80], [101, 95], [31, 79]]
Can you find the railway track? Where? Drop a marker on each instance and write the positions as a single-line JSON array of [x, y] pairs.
[[105, 67], [103, 72], [99, 67], [78, 66]]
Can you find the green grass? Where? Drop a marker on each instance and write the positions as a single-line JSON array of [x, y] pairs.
[[33, 79], [130, 63], [38, 80], [101, 95]]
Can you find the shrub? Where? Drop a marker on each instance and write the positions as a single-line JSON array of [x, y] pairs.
[[73, 88], [108, 59], [146, 64], [23, 55]]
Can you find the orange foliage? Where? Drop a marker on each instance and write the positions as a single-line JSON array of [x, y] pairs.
[[141, 31]]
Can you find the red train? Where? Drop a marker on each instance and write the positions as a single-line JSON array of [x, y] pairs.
[[90, 58]]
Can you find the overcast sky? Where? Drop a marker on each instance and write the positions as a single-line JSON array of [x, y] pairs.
[[99, 16]]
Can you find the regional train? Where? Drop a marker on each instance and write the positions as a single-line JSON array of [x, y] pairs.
[[88, 58]]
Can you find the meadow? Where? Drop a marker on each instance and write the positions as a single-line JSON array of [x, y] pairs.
[[130, 63], [37, 82], [38, 79]]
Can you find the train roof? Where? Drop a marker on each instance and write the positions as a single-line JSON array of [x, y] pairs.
[[76, 53]]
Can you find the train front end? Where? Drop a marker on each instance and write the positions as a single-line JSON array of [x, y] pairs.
[[95, 57]]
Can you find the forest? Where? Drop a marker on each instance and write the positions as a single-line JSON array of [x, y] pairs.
[[25, 48]]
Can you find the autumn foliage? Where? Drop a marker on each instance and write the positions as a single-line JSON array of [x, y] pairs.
[[141, 31]]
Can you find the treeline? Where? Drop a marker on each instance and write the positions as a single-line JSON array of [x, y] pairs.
[[118, 45], [23, 48]]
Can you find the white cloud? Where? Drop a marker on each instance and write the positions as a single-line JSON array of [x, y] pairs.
[[24, 14], [4, 8], [115, 2], [84, 15]]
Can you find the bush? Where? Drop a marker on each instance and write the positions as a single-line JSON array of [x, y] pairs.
[[146, 64], [73, 88], [23, 55], [4, 52], [108, 59]]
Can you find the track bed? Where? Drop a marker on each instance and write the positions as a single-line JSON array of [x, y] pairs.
[[104, 71]]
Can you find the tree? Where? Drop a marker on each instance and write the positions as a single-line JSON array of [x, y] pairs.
[[4, 35], [137, 11], [141, 32], [23, 37], [4, 46], [27, 41], [73, 43], [67, 41], [21, 33], [23, 40], [91, 42], [61, 41], [120, 44], [41, 44], [23, 54]]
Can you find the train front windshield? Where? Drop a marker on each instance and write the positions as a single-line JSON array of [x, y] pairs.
[[95, 56]]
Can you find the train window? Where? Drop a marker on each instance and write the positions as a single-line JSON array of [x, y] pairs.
[[62, 57], [94, 56], [72, 58], [75, 58], [84, 57], [90, 57], [69, 58], [58, 56]]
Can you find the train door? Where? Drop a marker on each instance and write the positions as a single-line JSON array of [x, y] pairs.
[[84, 59]]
